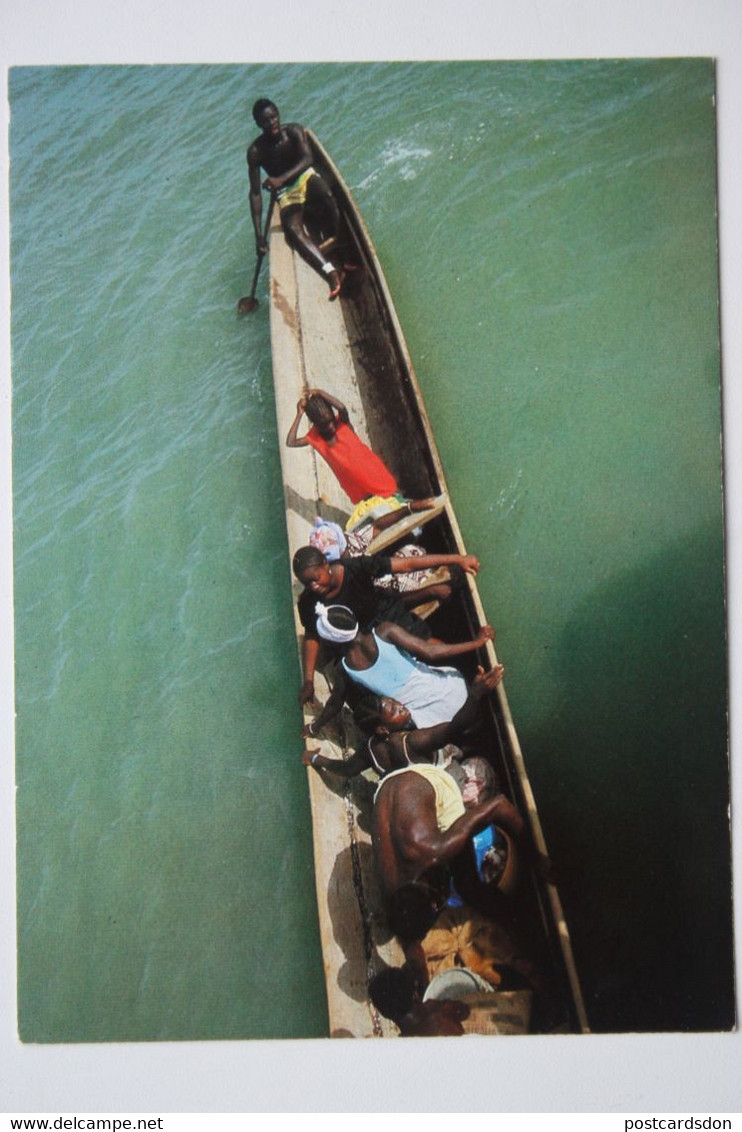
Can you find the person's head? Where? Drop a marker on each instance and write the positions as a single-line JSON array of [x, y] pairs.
[[475, 779], [382, 715], [266, 116], [480, 781], [310, 567], [328, 538], [336, 624], [394, 992], [412, 910], [322, 415]]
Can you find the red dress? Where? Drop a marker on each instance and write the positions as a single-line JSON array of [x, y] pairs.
[[359, 471]]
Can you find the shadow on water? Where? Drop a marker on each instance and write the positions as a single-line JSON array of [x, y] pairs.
[[636, 814]]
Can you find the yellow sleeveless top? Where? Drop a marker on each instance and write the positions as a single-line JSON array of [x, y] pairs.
[[449, 805]]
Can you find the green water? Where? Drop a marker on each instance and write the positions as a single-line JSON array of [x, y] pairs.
[[549, 235]]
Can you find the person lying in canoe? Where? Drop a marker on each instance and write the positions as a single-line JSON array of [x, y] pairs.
[[351, 583], [359, 471], [394, 742], [390, 661], [335, 544], [284, 153]]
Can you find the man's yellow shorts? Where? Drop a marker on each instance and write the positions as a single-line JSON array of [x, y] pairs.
[[296, 192]]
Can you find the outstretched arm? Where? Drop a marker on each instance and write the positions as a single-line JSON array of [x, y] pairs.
[[331, 708], [292, 440], [425, 844], [256, 198], [467, 562], [507, 817], [432, 652], [411, 507], [428, 739], [346, 768], [309, 653]]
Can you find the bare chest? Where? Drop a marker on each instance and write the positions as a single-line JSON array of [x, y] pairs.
[[279, 156]]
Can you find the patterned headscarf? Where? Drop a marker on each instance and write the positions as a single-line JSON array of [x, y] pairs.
[[328, 538]]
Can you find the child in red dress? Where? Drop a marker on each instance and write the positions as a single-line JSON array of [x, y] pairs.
[[360, 472]]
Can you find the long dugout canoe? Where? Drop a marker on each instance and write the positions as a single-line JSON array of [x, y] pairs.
[[354, 348]]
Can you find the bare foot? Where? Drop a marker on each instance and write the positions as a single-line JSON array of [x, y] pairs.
[[337, 279], [416, 505]]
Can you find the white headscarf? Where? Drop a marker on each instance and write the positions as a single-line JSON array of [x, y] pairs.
[[329, 632]]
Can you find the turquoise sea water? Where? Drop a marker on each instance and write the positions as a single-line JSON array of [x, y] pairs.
[[549, 235]]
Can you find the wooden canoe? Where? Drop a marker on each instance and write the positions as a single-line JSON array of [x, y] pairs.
[[355, 349]]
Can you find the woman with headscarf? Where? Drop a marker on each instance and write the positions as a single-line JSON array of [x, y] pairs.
[[389, 661], [335, 543], [351, 582]]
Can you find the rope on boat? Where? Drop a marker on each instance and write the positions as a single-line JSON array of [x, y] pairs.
[[358, 888]]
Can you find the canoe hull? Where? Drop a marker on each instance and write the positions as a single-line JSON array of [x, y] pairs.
[[355, 349]]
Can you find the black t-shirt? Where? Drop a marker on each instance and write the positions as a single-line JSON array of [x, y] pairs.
[[358, 592]]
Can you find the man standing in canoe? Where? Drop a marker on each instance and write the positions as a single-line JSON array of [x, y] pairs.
[[284, 153]]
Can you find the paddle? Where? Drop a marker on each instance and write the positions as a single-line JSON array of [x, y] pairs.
[[248, 303]]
